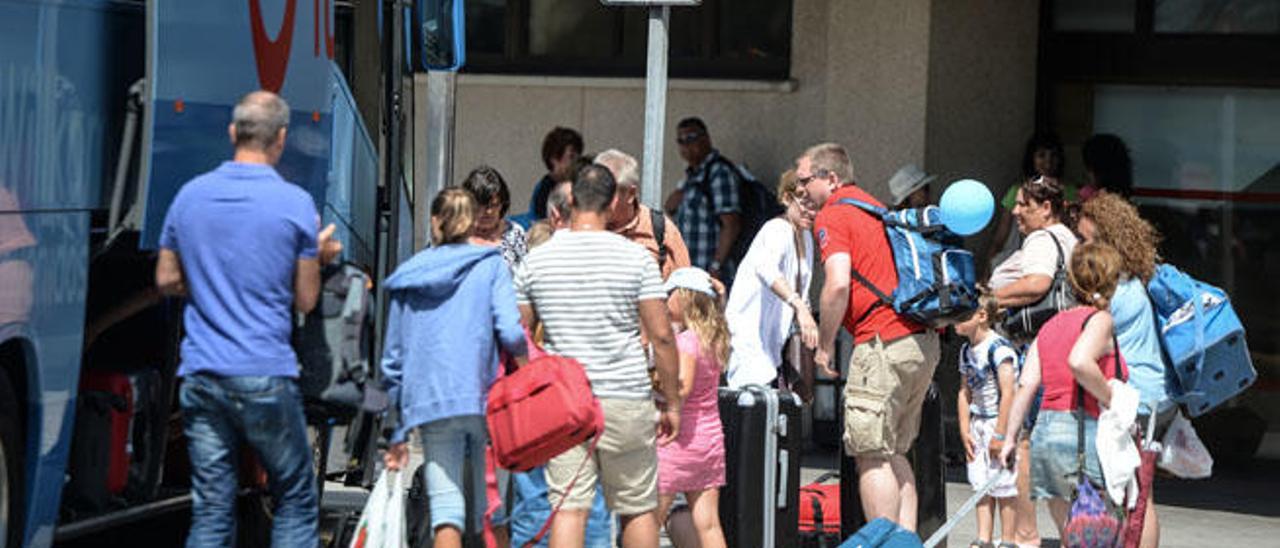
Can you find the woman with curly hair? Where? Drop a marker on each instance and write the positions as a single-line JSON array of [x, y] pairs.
[[1110, 219]]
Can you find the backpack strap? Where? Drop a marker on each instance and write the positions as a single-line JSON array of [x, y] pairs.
[[546, 527], [659, 221], [881, 295]]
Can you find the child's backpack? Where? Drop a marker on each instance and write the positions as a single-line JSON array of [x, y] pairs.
[[992, 368], [758, 202], [1207, 360], [937, 281]]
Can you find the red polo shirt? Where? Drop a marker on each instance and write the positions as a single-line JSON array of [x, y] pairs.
[[841, 228]]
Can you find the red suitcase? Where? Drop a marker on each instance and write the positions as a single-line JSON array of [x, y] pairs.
[[120, 419], [820, 513]]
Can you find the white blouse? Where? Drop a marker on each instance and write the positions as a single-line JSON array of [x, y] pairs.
[[759, 321]]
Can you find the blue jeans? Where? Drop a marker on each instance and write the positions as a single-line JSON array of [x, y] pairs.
[[266, 413], [447, 446]]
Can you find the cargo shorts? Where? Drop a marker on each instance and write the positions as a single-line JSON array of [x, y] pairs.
[[625, 462], [885, 392]]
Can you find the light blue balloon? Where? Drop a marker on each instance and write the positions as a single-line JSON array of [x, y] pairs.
[[967, 207]]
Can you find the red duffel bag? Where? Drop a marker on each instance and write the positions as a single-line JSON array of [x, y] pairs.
[[541, 410]]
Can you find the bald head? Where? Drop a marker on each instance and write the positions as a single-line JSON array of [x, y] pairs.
[[259, 121], [623, 166]]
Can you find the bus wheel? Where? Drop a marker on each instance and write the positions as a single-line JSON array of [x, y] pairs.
[[11, 470]]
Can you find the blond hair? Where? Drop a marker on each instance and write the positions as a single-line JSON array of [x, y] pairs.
[[1118, 223], [830, 158], [455, 211], [539, 233], [1095, 272], [703, 315], [787, 185], [987, 303]]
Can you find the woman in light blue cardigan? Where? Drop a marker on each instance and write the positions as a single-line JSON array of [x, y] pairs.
[[452, 306]]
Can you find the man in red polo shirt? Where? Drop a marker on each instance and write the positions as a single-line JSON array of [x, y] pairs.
[[893, 357]]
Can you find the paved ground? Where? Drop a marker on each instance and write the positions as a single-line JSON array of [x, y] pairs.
[[1238, 507]]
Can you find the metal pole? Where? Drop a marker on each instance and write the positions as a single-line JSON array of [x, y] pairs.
[[655, 106], [441, 94]]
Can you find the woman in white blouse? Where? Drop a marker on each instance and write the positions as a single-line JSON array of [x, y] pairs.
[[771, 290]]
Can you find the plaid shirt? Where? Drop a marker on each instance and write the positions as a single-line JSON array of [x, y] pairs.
[[698, 216]]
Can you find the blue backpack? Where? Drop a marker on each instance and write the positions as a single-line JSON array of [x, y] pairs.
[[1206, 358], [936, 275], [882, 533]]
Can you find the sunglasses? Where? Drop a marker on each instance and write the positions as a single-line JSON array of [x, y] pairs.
[[688, 138]]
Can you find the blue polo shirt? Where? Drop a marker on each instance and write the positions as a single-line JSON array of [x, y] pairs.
[[239, 231]]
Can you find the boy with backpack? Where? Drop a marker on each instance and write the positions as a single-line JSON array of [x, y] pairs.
[[988, 364]]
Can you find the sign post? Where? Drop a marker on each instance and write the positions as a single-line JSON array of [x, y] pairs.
[[655, 93]]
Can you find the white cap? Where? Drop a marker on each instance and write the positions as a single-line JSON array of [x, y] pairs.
[[691, 278]]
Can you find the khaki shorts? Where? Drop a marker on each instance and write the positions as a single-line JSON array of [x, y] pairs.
[[625, 462], [885, 391]]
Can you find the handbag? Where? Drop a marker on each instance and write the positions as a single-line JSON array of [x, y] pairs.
[[799, 380], [1022, 324], [1094, 521]]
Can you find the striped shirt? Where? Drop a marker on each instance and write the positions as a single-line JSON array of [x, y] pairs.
[[586, 287]]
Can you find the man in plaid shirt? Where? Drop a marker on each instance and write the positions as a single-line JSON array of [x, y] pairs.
[[706, 205]]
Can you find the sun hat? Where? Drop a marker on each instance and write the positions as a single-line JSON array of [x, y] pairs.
[[908, 179], [691, 278]]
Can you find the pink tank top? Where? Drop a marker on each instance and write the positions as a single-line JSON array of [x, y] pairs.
[[1054, 342]]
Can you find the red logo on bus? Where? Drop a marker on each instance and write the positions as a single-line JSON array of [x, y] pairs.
[[272, 55]]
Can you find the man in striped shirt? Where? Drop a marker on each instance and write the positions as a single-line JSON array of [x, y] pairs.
[[592, 289]]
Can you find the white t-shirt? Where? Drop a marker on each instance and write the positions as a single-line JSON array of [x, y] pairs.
[[1038, 255], [759, 321], [586, 287]]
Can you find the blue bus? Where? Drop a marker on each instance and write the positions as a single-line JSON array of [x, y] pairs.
[[106, 108]]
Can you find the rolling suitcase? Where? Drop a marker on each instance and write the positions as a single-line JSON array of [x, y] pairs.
[[759, 506]]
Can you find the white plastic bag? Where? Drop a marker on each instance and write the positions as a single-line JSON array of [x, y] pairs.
[[1184, 455], [382, 523]]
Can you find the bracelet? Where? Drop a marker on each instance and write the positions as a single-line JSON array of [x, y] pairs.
[[998, 437]]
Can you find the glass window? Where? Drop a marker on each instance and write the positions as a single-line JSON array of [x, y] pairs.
[[1094, 15], [1207, 171], [1218, 16], [572, 28], [719, 39], [486, 23]]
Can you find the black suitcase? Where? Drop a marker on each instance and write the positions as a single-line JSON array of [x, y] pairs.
[[927, 464], [759, 506]]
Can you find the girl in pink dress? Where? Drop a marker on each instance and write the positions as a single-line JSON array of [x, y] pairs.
[[693, 464]]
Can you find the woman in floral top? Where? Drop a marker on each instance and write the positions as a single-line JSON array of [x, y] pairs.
[[491, 226]]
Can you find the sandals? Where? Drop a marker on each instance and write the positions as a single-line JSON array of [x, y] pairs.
[[979, 544]]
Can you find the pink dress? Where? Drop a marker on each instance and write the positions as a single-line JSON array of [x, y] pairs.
[[695, 460]]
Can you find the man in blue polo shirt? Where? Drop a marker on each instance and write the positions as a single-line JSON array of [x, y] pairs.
[[241, 244]]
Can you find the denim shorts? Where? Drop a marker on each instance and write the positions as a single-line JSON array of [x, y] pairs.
[[1053, 454]]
